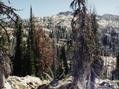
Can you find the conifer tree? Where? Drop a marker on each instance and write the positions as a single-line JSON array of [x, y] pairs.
[[83, 44], [43, 53], [19, 58], [38, 50], [97, 64], [54, 56], [63, 62], [30, 54]]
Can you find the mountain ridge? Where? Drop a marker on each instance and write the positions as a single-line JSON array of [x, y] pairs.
[[103, 20], [60, 24]]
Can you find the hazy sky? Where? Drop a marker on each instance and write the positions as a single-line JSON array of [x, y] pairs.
[[51, 7]]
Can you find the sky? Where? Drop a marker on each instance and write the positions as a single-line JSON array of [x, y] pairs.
[[43, 8]]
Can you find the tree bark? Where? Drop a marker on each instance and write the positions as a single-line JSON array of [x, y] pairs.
[[92, 83], [88, 81], [80, 76], [1, 72]]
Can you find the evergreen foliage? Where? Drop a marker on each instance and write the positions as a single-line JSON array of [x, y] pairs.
[[6, 14], [63, 62], [24, 51], [18, 62], [84, 44], [30, 54], [97, 64]]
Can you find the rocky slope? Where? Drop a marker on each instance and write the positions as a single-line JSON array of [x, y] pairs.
[[60, 25], [29, 82], [63, 20]]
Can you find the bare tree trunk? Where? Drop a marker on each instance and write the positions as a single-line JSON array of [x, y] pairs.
[[92, 83], [1, 72], [1, 79], [81, 76], [88, 81]]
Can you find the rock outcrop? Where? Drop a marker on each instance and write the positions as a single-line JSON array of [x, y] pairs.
[[5, 67], [107, 84], [60, 26], [28, 82], [58, 84], [67, 83], [108, 29], [109, 65]]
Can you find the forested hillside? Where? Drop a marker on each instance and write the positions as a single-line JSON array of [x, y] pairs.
[[69, 50], [60, 26]]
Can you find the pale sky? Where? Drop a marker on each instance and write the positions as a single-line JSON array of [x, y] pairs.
[[51, 7]]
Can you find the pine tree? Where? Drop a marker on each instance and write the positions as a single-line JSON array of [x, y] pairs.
[[30, 57], [97, 63], [54, 56], [30, 54], [19, 58], [63, 62], [83, 44], [39, 53], [43, 53]]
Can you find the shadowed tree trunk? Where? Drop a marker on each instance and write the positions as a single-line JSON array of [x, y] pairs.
[[117, 66], [1, 71], [92, 83]]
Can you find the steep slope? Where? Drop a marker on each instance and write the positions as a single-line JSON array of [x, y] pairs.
[[60, 26]]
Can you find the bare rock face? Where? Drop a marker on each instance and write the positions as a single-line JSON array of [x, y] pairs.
[[7, 64], [109, 65], [5, 68]]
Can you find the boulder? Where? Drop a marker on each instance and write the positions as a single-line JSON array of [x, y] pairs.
[[30, 82], [27, 82], [58, 84], [107, 84], [5, 67]]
